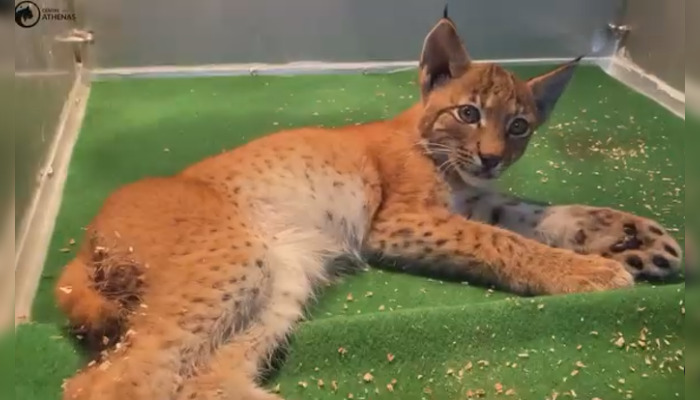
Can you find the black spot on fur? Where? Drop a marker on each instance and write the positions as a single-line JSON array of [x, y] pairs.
[[402, 232], [671, 250], [428, 234], [618, 247], [236, 190], [338, 184], [441, 221], [635, 262], [661, 262], [629, 229], [329, 216], [634, 243], [656, 230], [440, 242], [226, 297], [259, 263], [580, 237], [233, 280]]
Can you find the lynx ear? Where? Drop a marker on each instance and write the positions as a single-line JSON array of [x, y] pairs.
[[444, 56], [547, 88]]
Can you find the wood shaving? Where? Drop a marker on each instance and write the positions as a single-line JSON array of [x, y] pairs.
[[66, 289], [620, 342], [498, 387]]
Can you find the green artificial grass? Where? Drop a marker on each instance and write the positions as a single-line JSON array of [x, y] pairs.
[[605, 145]]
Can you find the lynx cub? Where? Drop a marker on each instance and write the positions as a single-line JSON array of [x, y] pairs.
[[200, 276]]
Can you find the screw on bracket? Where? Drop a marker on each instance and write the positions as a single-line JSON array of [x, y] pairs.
[[619, 30], [77, 36]]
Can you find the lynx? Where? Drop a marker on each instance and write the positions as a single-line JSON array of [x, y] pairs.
[[192, 281]]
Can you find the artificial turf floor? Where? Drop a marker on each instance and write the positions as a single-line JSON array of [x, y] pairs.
[[605, 145]]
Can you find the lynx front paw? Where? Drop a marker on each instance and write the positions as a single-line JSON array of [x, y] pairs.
[[575, 273], [642, 245]]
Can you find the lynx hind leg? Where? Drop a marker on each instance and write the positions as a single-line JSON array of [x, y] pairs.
[[642, 245], [232, 373], [298, 261]]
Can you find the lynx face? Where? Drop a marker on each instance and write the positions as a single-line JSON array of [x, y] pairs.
[[478, 118]]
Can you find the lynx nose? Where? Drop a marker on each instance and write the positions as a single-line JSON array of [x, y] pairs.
[[490, 161]]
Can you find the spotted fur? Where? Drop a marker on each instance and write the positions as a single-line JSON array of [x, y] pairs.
[[217, 262]]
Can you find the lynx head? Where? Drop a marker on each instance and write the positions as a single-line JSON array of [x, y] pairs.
[[478, 118]]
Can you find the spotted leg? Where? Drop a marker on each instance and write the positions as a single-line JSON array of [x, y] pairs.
[[434, 242], [642, 245]]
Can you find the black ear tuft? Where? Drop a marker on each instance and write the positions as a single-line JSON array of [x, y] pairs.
[[548, 88], [444, 12]]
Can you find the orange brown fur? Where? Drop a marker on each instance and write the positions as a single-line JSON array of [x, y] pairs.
[[221, 258]]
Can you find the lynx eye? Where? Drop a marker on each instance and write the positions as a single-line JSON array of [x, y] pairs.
[[469, 114], [519, 127]]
